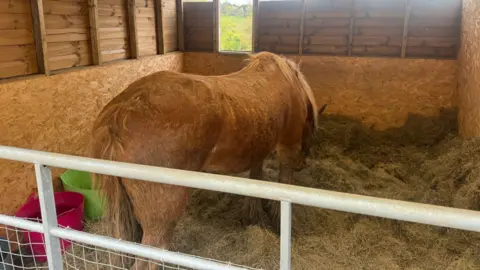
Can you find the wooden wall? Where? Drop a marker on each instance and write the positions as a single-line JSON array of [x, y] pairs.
[[147, 38], [279, 26], [113, 30], [170, 33], [198, 26], [394, 28], [51, 35], [17, 48], [67, 33]]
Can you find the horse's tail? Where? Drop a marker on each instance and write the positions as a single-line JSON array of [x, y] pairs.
[[119, 217]]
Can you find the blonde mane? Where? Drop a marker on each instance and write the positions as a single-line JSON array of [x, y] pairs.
[[293, 75]]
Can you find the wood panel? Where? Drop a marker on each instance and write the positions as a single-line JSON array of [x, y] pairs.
[[146, 27], [327, 27], [113, 29], [17, 45], [67, 26], [170, 28], [363, 27], [278, 27], [434, 29], [198, 26]]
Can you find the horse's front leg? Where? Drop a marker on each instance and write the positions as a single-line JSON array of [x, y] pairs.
[[286, 177], [252, 210]]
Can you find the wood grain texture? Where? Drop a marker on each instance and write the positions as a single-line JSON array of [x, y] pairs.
[[113, 30], [94, 36], [198, 26], [55, 113], [469, 72], [61, 30], [17, 48]]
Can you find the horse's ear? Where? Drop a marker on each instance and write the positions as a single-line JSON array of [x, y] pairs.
[[322, 109]]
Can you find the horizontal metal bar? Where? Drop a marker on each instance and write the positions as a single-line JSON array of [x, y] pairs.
[[366, 205], [21, 223], [140, 250]]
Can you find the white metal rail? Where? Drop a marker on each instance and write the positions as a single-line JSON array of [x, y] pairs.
[[287, 194]]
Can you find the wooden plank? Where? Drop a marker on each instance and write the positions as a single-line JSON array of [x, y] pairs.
[[216, 19], [15, 37], [379, 31], [376, 41], [40, 38], [17, 68], [113, 33], [350, 35], [302, 27], [144, 12], [255, 24], [325, 40], [68, 48], [326, 49], [408, 8], [14, 7], [159, 27], [276, 40], [132, 29], [94, 32], [433, 31], [432, 52], [17, 53], [15, 21], [65, 21], [110, 10], [314, 23], [69, 61], [180, 26], [146, 33], [113, 44], [112, 21], [67, 37], [432, 41], [65, 8], [376, 50], [327, 31]]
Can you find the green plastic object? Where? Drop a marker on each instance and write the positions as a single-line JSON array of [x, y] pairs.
[[81, 182]]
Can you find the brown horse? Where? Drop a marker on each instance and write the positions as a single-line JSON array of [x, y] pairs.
[[217, 124]]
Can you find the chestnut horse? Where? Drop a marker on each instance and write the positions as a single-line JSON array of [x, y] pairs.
[[216, 124]]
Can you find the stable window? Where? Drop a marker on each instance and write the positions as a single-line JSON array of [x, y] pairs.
[[235, 25]]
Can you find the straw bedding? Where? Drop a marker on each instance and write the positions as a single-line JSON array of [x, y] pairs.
[[424, 161]]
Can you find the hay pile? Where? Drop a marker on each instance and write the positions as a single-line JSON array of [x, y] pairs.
[[422, 162]]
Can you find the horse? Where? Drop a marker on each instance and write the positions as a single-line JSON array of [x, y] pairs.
[[224, 124]]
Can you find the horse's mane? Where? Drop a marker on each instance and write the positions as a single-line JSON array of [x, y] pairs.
[[292, 73]]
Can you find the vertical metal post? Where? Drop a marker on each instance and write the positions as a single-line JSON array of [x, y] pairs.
[[285, 235], [49, 216]]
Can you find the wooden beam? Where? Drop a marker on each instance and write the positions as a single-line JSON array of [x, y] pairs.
[[216, 23], [159, 26], [132, 28], [40, 36], [255, 10], [180, 27], [302, 23], [94, 33], [408, 7], [351, 33]]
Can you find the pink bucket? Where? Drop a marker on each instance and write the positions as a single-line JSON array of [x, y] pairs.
[[69, 206]]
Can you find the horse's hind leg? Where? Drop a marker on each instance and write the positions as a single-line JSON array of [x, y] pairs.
[[157, 207], [252, 211]]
